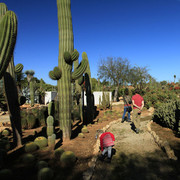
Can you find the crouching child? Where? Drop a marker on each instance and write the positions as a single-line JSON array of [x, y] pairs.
[[106, 143]]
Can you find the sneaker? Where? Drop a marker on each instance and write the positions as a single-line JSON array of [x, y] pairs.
[[122, 120], [101, 157]]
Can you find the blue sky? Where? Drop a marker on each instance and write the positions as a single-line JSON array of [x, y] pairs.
[[146, 32]]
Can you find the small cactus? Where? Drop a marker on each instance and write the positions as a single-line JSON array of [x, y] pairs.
[[41, 164], [81, 135], [28, 159], [30, 147], [52, 141], [68, 159], [84, 130], [41, 141], [45, 174], [58, 152], [6, 132]]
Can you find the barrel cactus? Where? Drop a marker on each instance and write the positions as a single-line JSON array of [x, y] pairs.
[[45, 173], [68, 159], [58, 152], [41, 164], [30, 147], [41, 142]]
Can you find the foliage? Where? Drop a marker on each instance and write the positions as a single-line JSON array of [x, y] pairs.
[[156, 97], [168, 114]]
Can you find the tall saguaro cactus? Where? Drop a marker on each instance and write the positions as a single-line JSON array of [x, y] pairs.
[[67, 55], [8, 33]]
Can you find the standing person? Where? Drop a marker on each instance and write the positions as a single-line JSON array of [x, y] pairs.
[[127, 105], [106, 143], [138, 104]]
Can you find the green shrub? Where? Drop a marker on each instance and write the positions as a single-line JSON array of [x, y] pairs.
[[168, 114]]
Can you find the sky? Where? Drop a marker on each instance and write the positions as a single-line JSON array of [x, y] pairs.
[[146, 32]]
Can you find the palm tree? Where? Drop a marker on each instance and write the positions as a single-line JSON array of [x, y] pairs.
[[174, 78]]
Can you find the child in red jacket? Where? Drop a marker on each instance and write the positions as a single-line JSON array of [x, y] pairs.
[[106, 143]]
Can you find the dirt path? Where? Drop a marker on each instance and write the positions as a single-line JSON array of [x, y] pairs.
[[137, 157]]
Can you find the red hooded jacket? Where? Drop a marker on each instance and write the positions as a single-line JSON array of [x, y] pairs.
[[106, 139]]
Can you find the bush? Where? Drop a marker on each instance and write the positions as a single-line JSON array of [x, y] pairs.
[[168, 114]]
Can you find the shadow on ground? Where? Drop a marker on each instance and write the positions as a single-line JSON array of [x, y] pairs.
[[136, 167]]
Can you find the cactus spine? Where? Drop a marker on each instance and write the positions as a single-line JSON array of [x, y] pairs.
[[8, 31], [66, 45]]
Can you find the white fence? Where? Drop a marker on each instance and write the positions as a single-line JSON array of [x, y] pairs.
[[49, 96], [97, 95]]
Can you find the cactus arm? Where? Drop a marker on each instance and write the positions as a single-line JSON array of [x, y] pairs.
[[3, 9], [79, 70]]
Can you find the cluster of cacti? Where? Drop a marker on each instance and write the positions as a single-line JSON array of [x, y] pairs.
[[168, 115], [8, 31], [41, 142], [67, 55], [104, 102], [33, 117]]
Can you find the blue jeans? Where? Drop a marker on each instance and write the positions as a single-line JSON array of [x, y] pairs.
[[126, 110], [107, 149]]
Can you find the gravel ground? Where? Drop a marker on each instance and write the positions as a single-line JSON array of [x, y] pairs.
[[137, 157]]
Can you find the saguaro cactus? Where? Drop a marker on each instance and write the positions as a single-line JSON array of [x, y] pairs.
[[30, 74], [67, 55], [8, 31]]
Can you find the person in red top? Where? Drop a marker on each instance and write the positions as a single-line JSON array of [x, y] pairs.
[[106, 143], [138, 104]]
